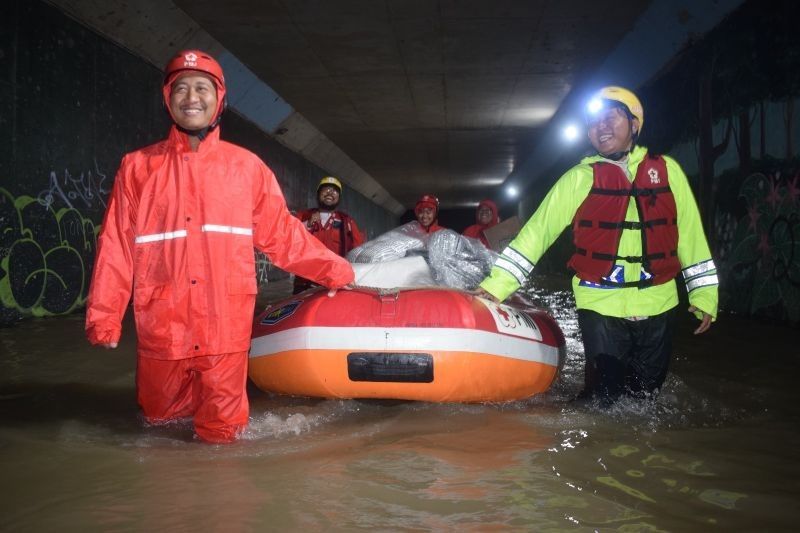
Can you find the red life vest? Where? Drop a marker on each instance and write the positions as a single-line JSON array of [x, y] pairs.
[[340, 234], [600, 220]]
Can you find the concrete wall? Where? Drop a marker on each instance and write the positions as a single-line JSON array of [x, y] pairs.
[[71, 104]]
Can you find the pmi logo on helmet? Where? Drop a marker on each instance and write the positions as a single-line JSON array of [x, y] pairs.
[[190, 60]]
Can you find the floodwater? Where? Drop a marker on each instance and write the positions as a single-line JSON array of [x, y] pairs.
[[716, 451]]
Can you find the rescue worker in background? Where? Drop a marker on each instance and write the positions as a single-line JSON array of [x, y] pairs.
[[179, 231], [486, 217], [636, 226], [427, 212], [336, 229]]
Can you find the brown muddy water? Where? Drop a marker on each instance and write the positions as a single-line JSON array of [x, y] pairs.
[[716, 451]]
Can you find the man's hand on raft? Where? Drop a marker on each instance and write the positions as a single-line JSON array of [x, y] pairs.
[[332, 292], [109, 345], [482, 293], [705, 322]]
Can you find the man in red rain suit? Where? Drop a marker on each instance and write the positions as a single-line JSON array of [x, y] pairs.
[[179, 232]]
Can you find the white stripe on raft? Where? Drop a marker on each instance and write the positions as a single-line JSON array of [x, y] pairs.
[[404, 340]]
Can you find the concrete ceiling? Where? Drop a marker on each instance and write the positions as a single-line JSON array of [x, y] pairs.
[[446, 96]]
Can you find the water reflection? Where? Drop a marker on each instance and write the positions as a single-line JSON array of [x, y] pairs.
[[716, 449]]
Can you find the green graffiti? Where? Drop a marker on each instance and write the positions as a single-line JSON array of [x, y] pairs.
[[46, 258]]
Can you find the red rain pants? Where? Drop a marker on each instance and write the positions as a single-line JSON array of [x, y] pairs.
[[209, 388]]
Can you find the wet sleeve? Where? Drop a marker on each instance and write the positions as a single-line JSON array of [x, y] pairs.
[[698, 268], [287, 242], [554, 214], [112, 278]]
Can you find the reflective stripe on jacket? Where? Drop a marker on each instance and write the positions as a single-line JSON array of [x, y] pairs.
[[179, 233]]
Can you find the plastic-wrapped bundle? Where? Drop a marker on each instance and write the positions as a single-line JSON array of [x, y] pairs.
[[410, 271], [458, 261], [455, 261], [392, 245]]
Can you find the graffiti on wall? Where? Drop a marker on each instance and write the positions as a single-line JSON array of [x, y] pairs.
[[46, 257], [47, 247], [86, 190], [759, 252], [262, 267]]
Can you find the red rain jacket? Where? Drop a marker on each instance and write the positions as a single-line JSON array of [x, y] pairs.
[[476, 230], [340, 234], [179, 232]]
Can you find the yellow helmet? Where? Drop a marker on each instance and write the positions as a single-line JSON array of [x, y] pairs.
[[621, 95], [330, 180]]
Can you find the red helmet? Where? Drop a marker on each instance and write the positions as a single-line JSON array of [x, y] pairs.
[[198, 61], [427, 200]]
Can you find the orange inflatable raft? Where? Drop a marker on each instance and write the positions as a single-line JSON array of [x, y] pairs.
[[431, 344]]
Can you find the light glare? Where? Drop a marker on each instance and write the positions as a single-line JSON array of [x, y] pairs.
[[571, 132], [594, 105], [511, 191]]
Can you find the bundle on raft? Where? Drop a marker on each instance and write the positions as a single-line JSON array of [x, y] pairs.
[[452, 260]]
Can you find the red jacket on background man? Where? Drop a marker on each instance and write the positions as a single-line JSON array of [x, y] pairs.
[[340, 233]]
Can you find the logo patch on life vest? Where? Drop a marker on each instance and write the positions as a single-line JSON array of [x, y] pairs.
[[654, 178], [284, 311]]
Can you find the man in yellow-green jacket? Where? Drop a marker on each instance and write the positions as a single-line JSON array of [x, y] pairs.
[[636, 226]]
